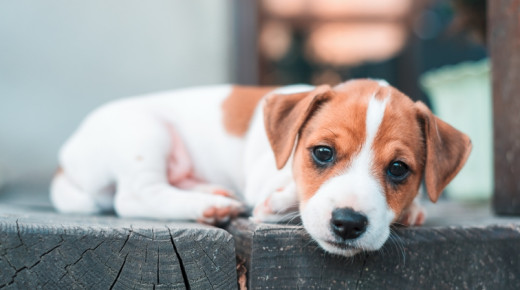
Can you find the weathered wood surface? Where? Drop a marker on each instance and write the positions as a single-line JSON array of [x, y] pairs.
[[39, 248], [431, 257], [43, 249], [504, 45]]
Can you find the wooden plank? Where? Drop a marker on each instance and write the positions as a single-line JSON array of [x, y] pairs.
[[40, 248], [284, 257], [504, 45]]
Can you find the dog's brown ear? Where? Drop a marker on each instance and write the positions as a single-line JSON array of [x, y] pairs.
[[284, 115], [447, 150]]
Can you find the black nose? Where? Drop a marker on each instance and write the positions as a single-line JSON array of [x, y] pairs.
[[347, 223]]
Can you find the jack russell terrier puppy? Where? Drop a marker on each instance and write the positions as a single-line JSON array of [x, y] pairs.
[[350, 158]]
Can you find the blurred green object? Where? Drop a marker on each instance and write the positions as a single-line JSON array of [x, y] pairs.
[[461, 95]]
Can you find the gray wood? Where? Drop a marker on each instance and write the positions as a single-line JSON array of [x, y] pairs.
[[245, 33], [504, 46], [482, 254], [43, 249]]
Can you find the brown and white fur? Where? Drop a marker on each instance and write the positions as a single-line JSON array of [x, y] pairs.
[[184, 154]]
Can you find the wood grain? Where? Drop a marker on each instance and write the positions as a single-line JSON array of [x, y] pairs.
[[42, 249], [284, 257]]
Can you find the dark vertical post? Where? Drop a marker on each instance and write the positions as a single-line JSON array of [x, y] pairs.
[[245, 42], [504, 45]]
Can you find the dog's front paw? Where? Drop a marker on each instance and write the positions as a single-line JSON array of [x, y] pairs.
[[277, 207], [414, 215], [220, 211], [215, 190]]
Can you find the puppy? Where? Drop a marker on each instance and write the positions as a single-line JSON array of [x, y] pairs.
[[350, 158]]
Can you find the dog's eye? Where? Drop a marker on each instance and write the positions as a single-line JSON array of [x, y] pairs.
[[397, 171], [323, 155]]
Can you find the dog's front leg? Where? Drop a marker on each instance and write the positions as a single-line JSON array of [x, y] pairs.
[[413, 215], [271, 193], [280, 205], [155, 198]]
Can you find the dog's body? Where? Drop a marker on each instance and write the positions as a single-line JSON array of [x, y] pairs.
[[332, 153]]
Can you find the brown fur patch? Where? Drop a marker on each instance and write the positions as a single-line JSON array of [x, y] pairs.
[[408, 132], [447, 150], [340, 123], [285, 115], [239, 107]]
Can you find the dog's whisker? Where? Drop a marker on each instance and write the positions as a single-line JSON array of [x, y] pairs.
[[397, 242], [293, 218], [291, 214]]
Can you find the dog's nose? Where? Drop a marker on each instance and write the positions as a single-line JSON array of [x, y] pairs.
[[347, 223]]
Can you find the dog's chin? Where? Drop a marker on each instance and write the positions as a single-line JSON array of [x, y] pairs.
[[339, 248], [352, 248]]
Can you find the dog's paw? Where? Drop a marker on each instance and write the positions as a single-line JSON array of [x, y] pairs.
[[414, 215], [263, 211], [215, 190], [220, 210], [277, 207]]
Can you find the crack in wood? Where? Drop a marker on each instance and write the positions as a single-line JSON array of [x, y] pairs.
[[13, 277], [18, 271], [181, 264], [62, 251], [9, 262], [18, 232], [19, 238], [158, 259], [79, 259], [119, 273], [126, 240], [41, 256], [158, 265]]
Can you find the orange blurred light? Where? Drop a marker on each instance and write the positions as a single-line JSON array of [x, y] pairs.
[[338, 8], [275, 39], [341, 44], [359, 8], [284, 8]]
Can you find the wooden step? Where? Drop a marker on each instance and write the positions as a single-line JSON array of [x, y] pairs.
[[43, 249], [462, 247]]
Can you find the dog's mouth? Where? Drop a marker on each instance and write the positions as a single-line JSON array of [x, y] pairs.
[[337, 248], [342, 246], [352, 247]]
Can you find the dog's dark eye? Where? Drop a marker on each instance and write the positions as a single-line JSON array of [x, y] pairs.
[[323, 155], [397, 171]]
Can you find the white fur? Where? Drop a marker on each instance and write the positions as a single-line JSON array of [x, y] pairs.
[[358, 189], [263, 178], [382, 83], [125, 143]]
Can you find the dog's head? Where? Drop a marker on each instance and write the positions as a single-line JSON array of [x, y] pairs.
[[360, 152]]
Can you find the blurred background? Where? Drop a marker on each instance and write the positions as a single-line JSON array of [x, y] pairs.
[[60, 59]]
